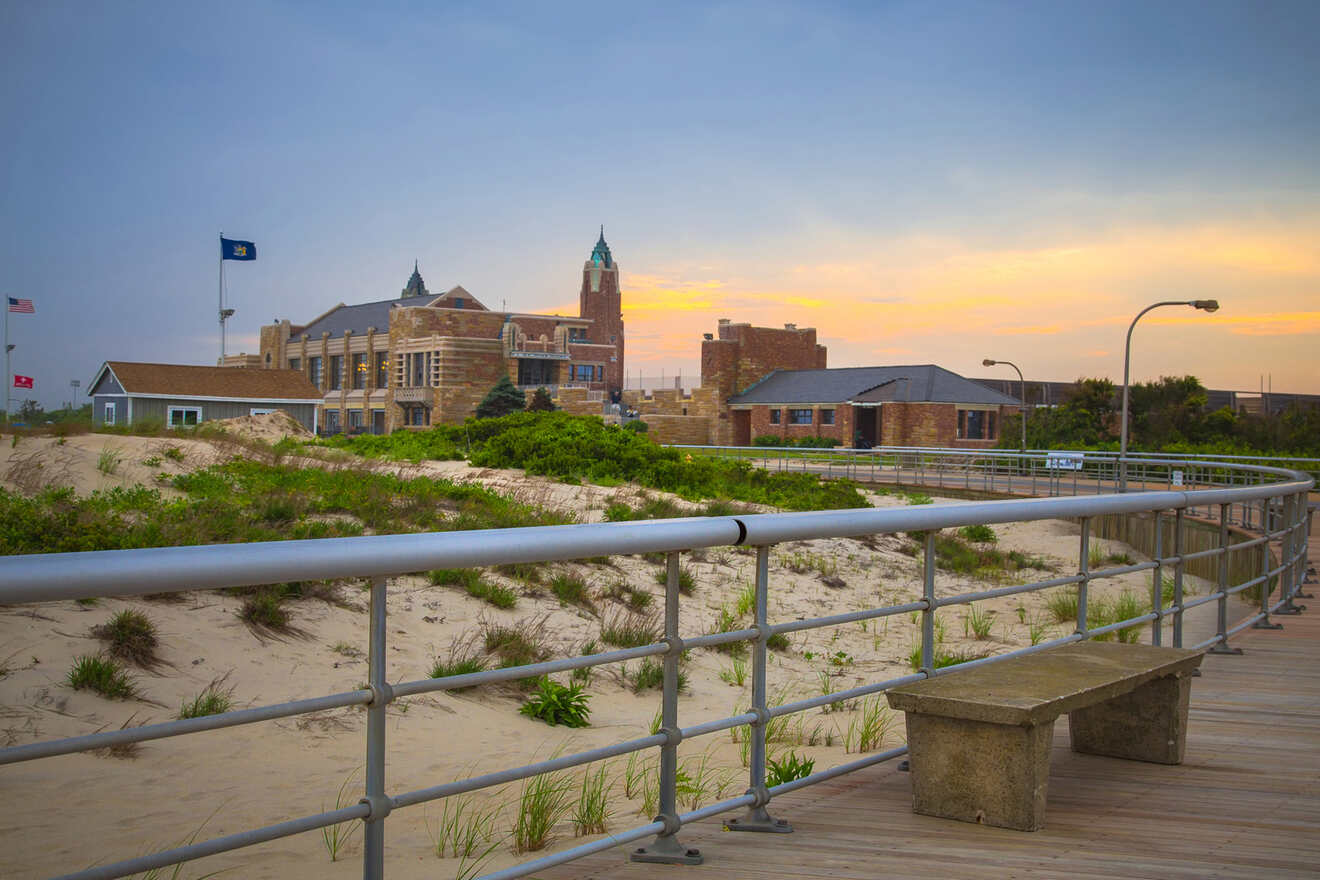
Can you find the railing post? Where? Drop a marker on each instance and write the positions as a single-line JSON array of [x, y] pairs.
[[928, 616], [1221, 646], [373, 832], [1157, 584], [1291, 553], [1083, 569], [1307, 516], [666, 849], [1264, 622], [757, 818], [1178, 567]]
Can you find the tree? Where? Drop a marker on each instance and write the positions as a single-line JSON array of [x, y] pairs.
[[30, 412], [1167, 411], [541, 402], [501, 400]]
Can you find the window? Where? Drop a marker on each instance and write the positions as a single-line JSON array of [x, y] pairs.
[[416, 415], [183, 416], [359, 372], [600, 374], [109, 417], [314, 371], [774, 416], [417, 368], [577, 334], [976, 424], [458, 302], [295, 364], [827, 417], [382, 369], [355, 418], [336, 372], [799, 417], [332, 421], [583, 372], [260, 410]]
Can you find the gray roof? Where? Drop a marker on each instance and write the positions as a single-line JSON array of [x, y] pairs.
[[356, 318], [918, 383]]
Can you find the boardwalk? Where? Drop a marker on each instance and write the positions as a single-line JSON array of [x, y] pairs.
[[1246, 803]]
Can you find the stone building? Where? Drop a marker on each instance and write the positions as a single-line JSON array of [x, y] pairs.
[[425, 359]]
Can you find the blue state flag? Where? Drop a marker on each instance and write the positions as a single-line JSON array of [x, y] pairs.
[[237, 250]]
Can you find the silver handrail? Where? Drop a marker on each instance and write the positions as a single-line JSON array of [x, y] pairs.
[[1276, 499]]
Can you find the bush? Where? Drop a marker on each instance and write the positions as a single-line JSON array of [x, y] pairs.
[[980, 534], [103, 675], [787, 768], [625, 629], [502, 399], [557, 704], [637, 426], [770, 440], [816, 443], [541, 402], [571, 590]]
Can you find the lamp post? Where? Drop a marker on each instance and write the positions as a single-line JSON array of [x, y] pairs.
[[1207, 305], [1022, 389], [73, 386]]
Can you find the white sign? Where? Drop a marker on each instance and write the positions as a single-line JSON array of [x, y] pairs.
[[1063, 461], [1177, 478]]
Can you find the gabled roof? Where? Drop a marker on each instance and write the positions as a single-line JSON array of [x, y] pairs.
[[924, 383], [356, 318], [185, 380], [445, 300]]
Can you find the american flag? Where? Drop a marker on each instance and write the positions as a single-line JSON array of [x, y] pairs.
[[22, 306]]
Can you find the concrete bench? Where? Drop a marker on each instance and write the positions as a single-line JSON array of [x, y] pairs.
[[979, 739]]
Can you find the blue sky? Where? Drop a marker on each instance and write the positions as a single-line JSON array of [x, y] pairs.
[[922, 182]]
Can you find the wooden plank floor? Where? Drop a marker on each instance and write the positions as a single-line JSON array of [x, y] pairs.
[[1246, 803]]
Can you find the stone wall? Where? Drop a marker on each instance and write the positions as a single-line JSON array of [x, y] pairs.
[[686, 430]]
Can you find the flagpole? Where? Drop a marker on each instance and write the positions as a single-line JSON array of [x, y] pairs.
[[222, 298], [8, 416]]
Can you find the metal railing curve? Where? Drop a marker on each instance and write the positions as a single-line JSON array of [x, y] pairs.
[[1269, 503]]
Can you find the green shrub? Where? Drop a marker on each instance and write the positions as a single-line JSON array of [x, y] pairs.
[[686, 582], [768, 440], [518, 644], [557, 704], [637, 426], [474, 585], [981, 534], [787, 768], [103, 675], [1062, 605], [108, 461]]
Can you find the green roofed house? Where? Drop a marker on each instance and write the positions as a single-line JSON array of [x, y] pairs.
[[182, 395]]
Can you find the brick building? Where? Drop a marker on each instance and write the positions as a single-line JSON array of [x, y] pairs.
[[916, 405], [423, 359]]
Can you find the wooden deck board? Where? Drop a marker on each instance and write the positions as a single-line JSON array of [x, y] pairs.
[[1245, 803]]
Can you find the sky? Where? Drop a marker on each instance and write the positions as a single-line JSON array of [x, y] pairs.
[[922, 182]]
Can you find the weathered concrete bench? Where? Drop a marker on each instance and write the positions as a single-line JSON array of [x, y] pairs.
[[979, 739]]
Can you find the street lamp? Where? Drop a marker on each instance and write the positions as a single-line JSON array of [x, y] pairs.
[[1206, 305], [1022, 387]]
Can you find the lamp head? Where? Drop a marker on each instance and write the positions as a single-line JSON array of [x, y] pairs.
[[988, 363], [1208, 305]]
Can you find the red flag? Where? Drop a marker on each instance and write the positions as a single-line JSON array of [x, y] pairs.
[[22, 381]]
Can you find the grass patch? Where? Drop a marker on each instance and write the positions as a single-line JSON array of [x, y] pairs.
[[103, 675], [215, 699], [130, 636], [264, 611], [686, 582], [976, 623], [471, 581], [462, 659], [544, 801], [571, 590], [627, 629], [591, 813], [108, 461], [635, 599], [518, 644], [1062, 605]]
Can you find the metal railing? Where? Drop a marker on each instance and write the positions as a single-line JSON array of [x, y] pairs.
[[1042, 467], [1278, 498]]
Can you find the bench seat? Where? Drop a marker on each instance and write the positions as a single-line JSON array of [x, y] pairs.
[[979, 739]]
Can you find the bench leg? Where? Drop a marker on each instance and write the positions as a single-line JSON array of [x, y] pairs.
[[992, 774], [1148, 724]]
